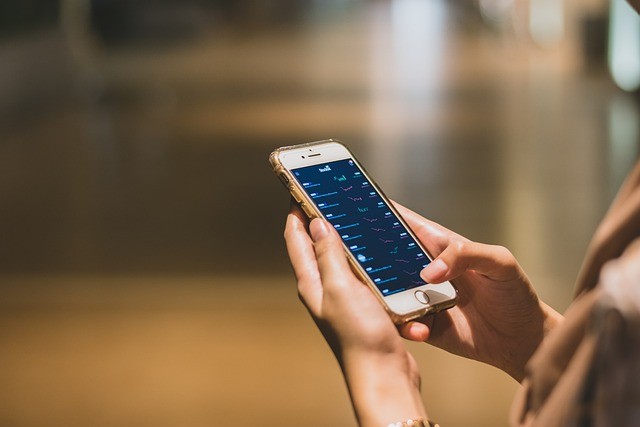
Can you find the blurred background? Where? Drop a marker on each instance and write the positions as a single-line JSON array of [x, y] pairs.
[[143, 277]]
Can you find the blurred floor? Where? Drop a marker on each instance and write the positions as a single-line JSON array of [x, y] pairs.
[[194, 352], [144, 279]]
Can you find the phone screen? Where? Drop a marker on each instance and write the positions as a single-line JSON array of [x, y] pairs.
[[369, 228]]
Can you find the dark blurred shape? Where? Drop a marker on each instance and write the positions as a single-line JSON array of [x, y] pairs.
[[594, 39], [21, 16], [122, 22], [157, 22]]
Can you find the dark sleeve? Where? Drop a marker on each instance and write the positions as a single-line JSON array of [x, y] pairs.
[[587, 372]]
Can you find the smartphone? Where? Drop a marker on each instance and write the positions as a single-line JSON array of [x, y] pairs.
[[328, 182]]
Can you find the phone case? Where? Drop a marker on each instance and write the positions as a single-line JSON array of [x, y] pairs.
[[275, 161], [312, 212]]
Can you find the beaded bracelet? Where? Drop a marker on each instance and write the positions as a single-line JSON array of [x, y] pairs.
[[418, 422]]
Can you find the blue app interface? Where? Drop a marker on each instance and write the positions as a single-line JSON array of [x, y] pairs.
[[371, 231]]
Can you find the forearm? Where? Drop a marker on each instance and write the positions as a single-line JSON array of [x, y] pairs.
[[383, 388]]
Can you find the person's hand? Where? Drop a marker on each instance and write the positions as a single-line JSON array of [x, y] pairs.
[[498, 318], [382, 376]]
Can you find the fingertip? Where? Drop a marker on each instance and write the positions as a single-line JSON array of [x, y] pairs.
[[289, 224], [293, 220], [435, 272], [415, 331]]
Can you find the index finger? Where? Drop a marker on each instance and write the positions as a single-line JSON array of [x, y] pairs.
[[303, 260], [432, 235]]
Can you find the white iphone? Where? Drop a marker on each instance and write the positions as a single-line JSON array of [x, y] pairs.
[[327, 181]]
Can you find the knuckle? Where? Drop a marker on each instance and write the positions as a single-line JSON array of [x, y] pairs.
[[423, 229], [460, 247], [301, 296], [289, 231], [301, 278], [420, 227], [325, 247], [304, 289], [505, 256], [321, 249], [504, 251]]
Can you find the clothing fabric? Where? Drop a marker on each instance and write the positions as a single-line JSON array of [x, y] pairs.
[[587, 371]]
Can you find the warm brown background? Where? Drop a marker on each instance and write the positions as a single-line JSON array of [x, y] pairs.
[[143, 278]]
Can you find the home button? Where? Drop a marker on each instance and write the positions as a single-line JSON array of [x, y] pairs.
[[422, 297]]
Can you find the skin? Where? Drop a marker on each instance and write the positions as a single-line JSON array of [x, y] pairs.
[[362, 337], [498, 320]]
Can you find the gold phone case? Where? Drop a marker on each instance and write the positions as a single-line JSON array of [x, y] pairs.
[[312, 212]]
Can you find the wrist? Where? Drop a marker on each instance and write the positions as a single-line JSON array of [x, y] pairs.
[[548, 320], [384, 387]]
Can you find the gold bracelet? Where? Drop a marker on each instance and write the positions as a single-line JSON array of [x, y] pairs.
[[417, 422]]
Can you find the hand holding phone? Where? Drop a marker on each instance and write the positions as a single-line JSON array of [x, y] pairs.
[[382, 376], [328, 182], [499, 319]]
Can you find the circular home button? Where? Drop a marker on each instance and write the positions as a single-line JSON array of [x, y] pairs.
[[422, 297]]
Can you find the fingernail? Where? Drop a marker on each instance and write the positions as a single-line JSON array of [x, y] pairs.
[[434, 270], [318, 229]]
